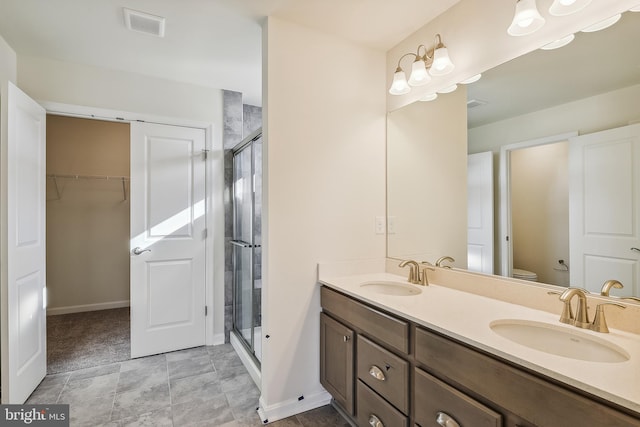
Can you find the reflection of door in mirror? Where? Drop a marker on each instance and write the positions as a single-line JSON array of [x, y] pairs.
[[540, 212], [605, 209], [480, 212]]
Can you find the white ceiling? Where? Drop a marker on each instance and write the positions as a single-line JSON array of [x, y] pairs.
[[214, 43], [592, 64]]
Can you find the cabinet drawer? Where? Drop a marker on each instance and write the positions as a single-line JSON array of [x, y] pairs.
[[372, 407], [384, 372], [432, 397], [385, 328], [539, 402]]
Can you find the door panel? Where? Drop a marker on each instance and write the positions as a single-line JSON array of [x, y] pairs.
[[605, 209], [480, 212], [26, 307], [168, 232]]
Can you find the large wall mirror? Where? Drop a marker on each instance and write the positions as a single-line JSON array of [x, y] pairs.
[[529, 109]]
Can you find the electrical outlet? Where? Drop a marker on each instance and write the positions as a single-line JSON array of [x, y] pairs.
[[380, 225]]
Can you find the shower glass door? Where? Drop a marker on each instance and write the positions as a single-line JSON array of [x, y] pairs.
[[247, 202]]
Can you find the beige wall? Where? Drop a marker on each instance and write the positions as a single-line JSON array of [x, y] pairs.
[[475, 32], [424, 162], [88, 221], [324, 159], [540, 210]]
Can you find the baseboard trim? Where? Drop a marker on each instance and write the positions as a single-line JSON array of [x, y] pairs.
[[86, 307], [217, 339], [246, 359], [282, 410]]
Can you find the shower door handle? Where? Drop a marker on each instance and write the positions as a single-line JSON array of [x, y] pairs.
[[138, 250], [241, 243]]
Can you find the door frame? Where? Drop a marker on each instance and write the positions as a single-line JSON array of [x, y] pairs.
[[214, 212], [506, 248], [214, 209]]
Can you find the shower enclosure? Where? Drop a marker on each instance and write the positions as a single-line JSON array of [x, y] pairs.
[[246, 243]]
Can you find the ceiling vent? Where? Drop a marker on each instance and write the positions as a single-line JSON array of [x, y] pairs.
[[473, 103], [144, 22]]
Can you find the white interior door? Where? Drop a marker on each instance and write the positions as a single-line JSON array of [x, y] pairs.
[[480, 216], [167, 238], [604, 209], [26, 305]]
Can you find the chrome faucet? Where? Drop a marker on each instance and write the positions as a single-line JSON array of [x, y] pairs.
[[442, 259], [581, 319], [606, 287], [414, 271]]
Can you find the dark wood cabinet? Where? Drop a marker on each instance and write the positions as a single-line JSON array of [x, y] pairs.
[[386, 371], [336, 361]]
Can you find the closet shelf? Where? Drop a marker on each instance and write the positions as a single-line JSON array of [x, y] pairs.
[[122, 179]]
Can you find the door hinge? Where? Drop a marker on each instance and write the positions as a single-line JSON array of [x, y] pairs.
[[206, 310], [205, 154], [205, 233]]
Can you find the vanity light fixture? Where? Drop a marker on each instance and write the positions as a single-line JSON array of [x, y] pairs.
[[471, 79], [559, 43], [602, 24], [526, 20], [433, 62], [448, 89], [429, 97], [567, 7], [635, 8]]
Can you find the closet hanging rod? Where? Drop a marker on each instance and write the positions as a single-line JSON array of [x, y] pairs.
[[106, 177]]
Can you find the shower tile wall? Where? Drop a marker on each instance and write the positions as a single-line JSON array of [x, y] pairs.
[[239, 121]]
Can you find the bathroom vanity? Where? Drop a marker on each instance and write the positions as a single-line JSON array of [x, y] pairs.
[[388, 358]]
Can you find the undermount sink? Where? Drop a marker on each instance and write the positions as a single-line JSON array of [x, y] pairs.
[[558, 340], [391, 288]]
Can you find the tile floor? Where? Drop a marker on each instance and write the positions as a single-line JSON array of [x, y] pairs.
[[202, 386]]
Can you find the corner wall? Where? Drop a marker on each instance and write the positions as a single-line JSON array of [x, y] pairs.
[[324, 180]]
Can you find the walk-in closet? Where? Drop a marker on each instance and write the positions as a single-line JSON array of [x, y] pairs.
[[87, 242]]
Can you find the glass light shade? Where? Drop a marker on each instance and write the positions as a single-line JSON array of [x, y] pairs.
[[526, 20], [448, 89], [471, 79], [567, 7], [429, 97], [559, 43], [441, 63], [635, 8], [419, 75], [602, 24], [399, 85]]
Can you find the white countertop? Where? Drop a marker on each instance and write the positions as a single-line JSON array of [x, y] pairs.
[[466, 317]]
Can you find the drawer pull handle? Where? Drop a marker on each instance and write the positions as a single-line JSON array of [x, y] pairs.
[[346, 338], [377, 373], [375, 421], [446, 420]]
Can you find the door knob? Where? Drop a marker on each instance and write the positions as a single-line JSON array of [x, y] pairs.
[[138, 250]]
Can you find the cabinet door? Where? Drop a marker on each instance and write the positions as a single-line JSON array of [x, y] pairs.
[[336, 361]]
